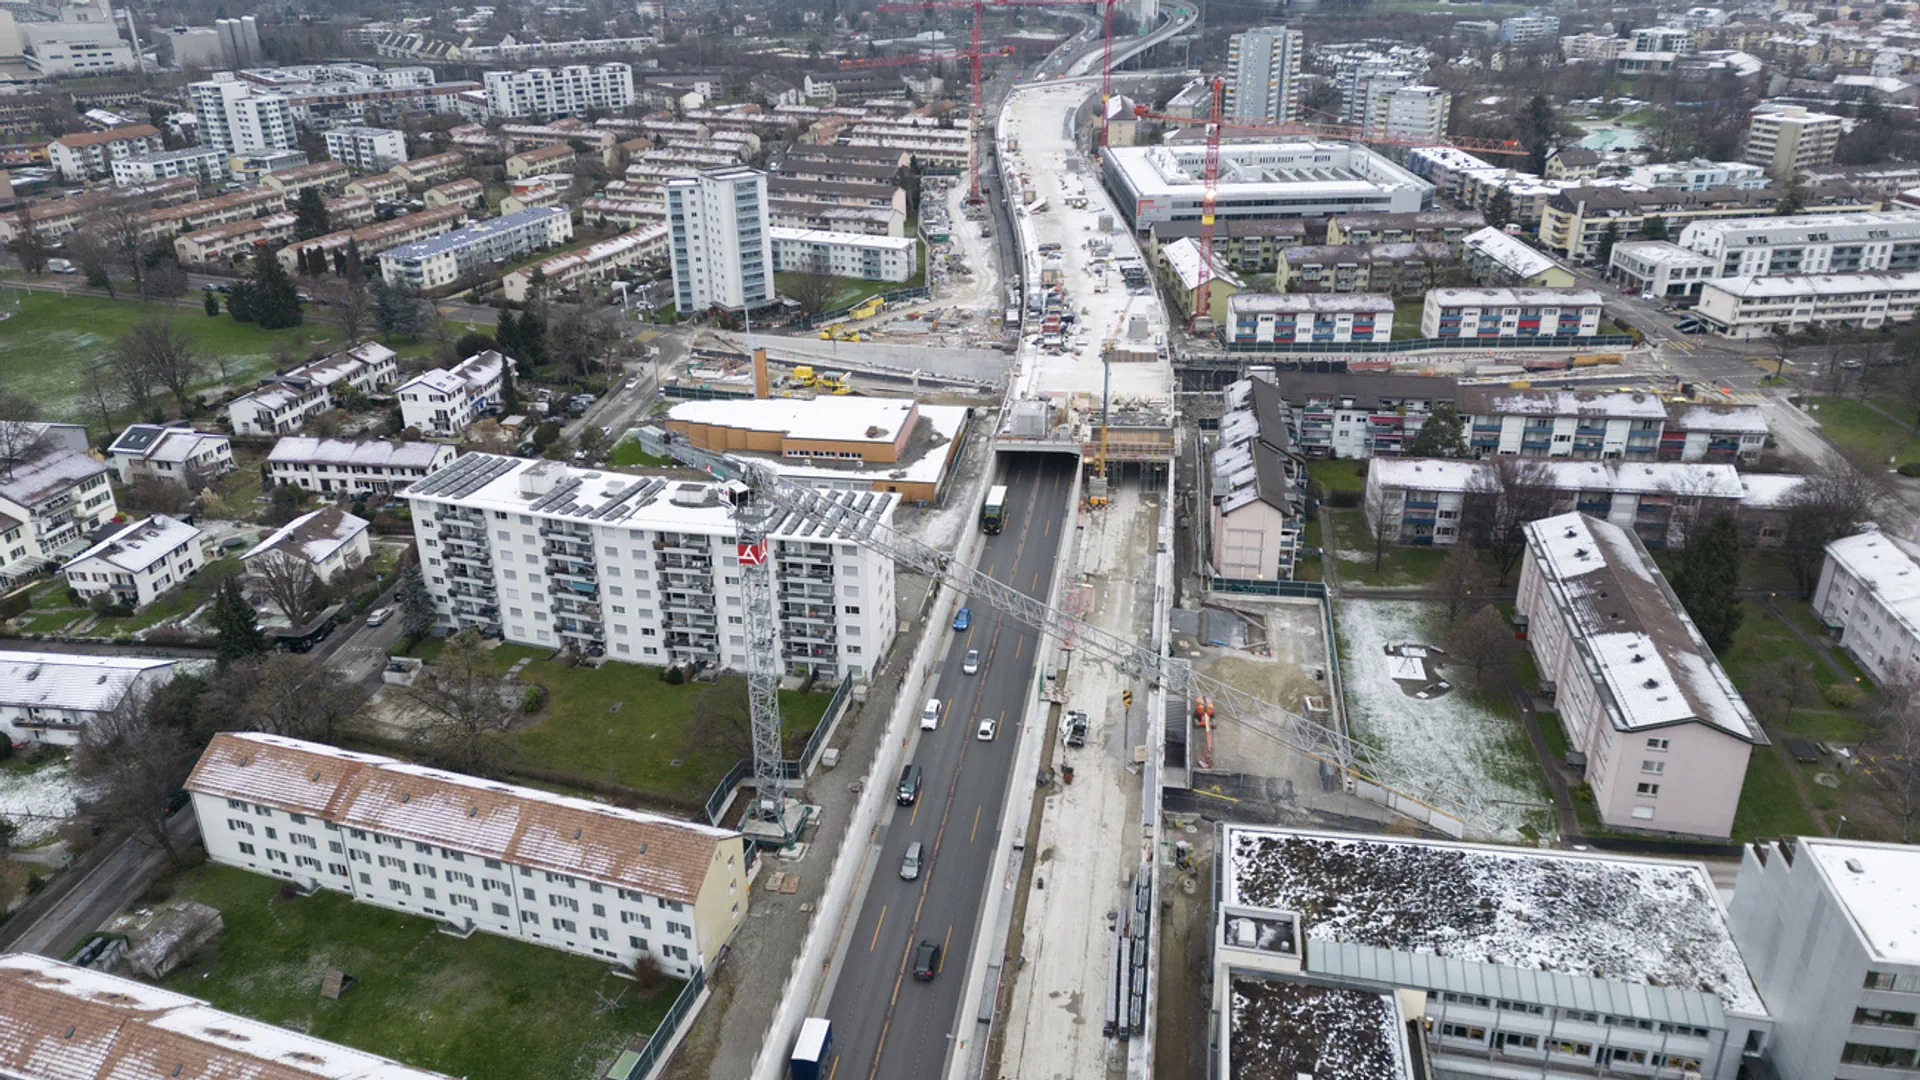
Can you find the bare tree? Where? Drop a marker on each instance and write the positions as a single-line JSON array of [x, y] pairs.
[[352, 307], [462, 706], [134, 762], [289, 583], [1898, 716], [94, 259], [1837, 500], [296, 694], [128, 356], [1500, 500], [29, 245], [813, 292], [19, 441], [102, 392], [121, 226], [164, 353], [1479, 645], [1380, 510], [1777, 688], [1461, 583]]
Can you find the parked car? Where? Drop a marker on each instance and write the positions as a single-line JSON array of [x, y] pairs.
[[62, 266], [379, 615]]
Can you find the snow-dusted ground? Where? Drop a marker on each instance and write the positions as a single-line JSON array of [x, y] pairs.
[[1439, 741], [48, 794]]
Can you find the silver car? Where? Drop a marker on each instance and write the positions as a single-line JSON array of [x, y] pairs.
[[971, 665]]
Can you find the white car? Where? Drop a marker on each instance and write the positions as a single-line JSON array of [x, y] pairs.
[[971, 665], [930, 716], [987, 726], [379, 615]]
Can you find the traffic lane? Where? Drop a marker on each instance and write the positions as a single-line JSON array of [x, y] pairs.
[[874, 979]]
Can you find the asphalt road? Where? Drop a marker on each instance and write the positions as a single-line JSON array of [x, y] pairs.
[[887, 1024]]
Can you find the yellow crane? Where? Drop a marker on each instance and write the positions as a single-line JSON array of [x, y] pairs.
[[1097, 485]]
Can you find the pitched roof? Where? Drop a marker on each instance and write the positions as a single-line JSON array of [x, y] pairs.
[[141, 544], [629, 849], [110, 135], [313, 536], [83, 683], [60, 1022], [304, 448]]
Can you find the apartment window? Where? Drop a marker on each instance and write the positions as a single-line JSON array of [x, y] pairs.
[[493, 864], [501, 910], [1657, 744], [1869, 1017], [1510, 1040], [1463, 1031], [637, 942], [1654, 767], [246, 849], [1651, 791], [399, 886], [1576, 1049], [1887, 980], [564, 925]]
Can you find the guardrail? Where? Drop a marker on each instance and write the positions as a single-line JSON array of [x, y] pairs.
[[791, 768], [1257, 587], [1597, 341]]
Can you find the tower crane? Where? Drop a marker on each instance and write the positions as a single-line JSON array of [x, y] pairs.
[[759, 488], [1210, 175], [751, 514], [973, 56]]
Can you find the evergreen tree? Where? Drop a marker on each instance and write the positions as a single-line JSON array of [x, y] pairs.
[[1443, 435], [276, 303], [210, 301], [1793, 196], [1654, 228], [236, 632], [532, 342], [394, 311], [416, 603], [310, 218], [1706, 578], [506, 333], [1608, 238], [1500, 209], [509, 392], [240, 301]]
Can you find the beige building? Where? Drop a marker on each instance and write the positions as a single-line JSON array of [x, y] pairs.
[[1655, 722], [381, 187], [1789, 140], [325, 175], [432, 169], [466, 192], [373, 239], [541, 160]]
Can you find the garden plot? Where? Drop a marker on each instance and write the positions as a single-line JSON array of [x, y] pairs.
[[1440, 740], [37, 799]]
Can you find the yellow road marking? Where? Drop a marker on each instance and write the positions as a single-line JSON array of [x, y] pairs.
[[976, 824], [876, 928], [944, 942]]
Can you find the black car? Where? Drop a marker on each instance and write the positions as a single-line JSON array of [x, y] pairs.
[[926, 961]]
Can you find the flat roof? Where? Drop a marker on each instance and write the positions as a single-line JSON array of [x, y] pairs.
[[1486, 400], [1660, 252], [1327, 169], [1879, 886], [1517, 297], [478, 230], [841, 239], [1891, 574], [1285, 1028], [1282, 303], [832, 419], [1766, 288], [1644, 923], [1696, 478]]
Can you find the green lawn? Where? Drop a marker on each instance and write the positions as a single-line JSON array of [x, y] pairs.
[[484, 1007], [1764, 641], [1406, 317], [50, 339], [1769, 803], [181, 600], [1400, 567], [629, 453], [1865, 433], [581, 733], [1307, 567], [1339, 474]]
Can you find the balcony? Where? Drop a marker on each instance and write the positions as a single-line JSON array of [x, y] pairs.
[[791, 571], [573, 548], [573, 606], [692, 603], [682, 562], [807, 612], [572, 570], [460, 572], [816, 652], [566, 532]]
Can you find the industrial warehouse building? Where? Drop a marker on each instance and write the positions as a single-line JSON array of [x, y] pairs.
[[1154, 184]]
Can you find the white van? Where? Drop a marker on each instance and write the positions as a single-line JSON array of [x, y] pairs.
[[930, 716]]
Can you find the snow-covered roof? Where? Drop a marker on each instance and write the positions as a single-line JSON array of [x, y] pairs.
[[658, 855], [1888, 572], [1499, 400], [1646, 934], [1764, 490], [474, 375], [313, 536], [832, 419], [1879, 886], [1514, 297], [1742, 419], [309, 450], [1295, 303], [50, 474], [82, 683], [62, 1022], [156, 442], [1285, 1028], [1641, 477], [1514, 256], [1795, 285], [1646, 658], [1183, 258], [140, 544], [1658, 253]]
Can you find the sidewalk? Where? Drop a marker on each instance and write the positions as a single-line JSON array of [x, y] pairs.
[[1088, 845]]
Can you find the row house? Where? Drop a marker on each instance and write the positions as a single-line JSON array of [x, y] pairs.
[[423, 172], [54, 497], [324, 175], [442, 402], [371, 240], [1808, 244], [1575, 221], [477, 855], [466, 193], [1450, 227], [47, 698], [285, 402], [592, 264], [380, 187], [134, 562], [234, 240], [1424, 501], [845, 255], [1754, 307], [603, 212], [171, 453], [644, 569], [52, 218], [540, 161], [1662, 734], [357, 467], [1298, 318], [833, 217], [443, 260], [1392, 269], [205, 213], [1510, 313]]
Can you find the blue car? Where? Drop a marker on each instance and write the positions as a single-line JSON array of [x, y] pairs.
[[962, 619]]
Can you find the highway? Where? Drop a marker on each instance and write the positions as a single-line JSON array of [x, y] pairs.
[[887, 1024]]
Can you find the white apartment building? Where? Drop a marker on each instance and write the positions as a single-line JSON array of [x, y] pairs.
[[46, 698], [570, 874], [1699, 174], [104, 1024], [56, 495], [1869, 594], [224, 243], [592, 264], [285, 402], [1827, 928], [371, 240], [441, 403], [848, 255], [329, 539], [1808, 243], [204, 164], [1304, 317], [139, 561], [234, 119], [444, 259], [367, 149], [1788, 139], [643, 568], [1562, 423], [1592, 46], [1529, 29], [1510, 313], [1513, 962], [354, 466], [1264, 69], [1673, 39], [548, 92], [722, 248], [1750, 307], [88, 155], [1663, 735], [1417, 112], [174, 453], [1656, 268]]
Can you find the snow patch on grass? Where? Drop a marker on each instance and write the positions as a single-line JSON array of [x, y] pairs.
[[1441, 741], [1350, 555], [37, 801]]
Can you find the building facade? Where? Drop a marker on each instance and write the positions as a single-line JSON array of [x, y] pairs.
[[89, 155], [1751, 307], [590, 265], [173, 454], [847, 255], [570, 90], [1264, 317], [1789, 140], [366, 149], [1264, 69], [354, 466], [578, 876], [1257, 497], [1657, 268], [442, 402], [54, 497], [1494, 314], [642, 568], [721, 243], [329, 540], [287, 400], [234, 119], [1808, 244], [443, 260], [1869, 595], [46, 698], [138, 561], [1154, 184], [202, 164], [1663, 734]]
